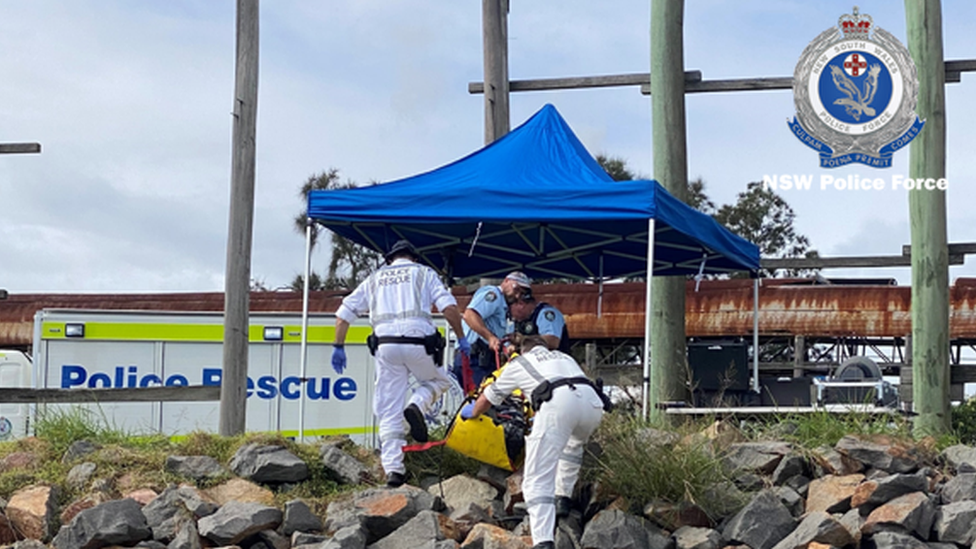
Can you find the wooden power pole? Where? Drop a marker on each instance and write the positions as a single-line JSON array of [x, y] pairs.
[[494, 23], [668, 346], [233, 388], [927, 216]]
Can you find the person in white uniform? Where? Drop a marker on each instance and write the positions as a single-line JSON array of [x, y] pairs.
[[566, 415], [399, 297]]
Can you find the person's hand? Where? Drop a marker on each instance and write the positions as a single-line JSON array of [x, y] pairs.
[[494, 343], [467, 412], [339, 359], [464, 346]]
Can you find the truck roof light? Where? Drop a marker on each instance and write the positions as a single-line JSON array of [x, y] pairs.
[[273, 333]]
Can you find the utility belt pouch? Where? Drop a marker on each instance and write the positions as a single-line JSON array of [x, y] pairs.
[[541, 394], [373, 343], [434, 344], [481, 350]]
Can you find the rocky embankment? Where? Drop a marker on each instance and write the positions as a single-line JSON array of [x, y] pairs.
[[871, 494]]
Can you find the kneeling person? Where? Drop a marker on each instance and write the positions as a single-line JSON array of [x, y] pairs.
[[566, 416]]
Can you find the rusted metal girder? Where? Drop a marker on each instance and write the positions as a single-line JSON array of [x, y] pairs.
[[720, 308]]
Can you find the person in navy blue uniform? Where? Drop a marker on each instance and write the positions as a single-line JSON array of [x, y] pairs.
[[531, 317], [486, 323]]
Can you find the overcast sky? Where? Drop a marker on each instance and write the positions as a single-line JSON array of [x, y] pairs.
[[131, 102]]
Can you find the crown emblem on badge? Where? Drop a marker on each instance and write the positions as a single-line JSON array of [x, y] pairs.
[[855, 26]]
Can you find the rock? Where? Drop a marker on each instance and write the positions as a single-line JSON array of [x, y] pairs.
[[143, 496], [7, 533], [513, 491], [380, 511], [79, 475], [467, 518], [853, 521], [461, 490], [790, 499], [817, 527], [18, 460], [959, 455], [426, 527], [496, 476], [274, 540], [831, 462], [71, 510], [871, 493], [187, 537], [959, 488], [893, 540], [617, 529], [31, 511], [487, 536], [350, 537], [236, 520], [194, 467], [117, 522], [749, 482], [28, 544], [789, 467], [692, 537], [672, 516], [761, 457], [761, 523], [956, 523], [911, 513], [832, 493], [78, 449], [892, 458], [345, 468], [166, 514], [264, 463], [299, 518], [238, 489], [304, 538], [569, 531]]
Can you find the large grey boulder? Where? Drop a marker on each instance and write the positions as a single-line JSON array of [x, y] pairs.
[[380, 511], [762, 523], [911, 513], [959, 456], [893, 540], [760, 457], [461, 490], [887, 457], [817, 527], [263, 463], [117, 522], [343, 466], [427, 527], [872, 493], [166, 514], [350, 537], [614, 529], [959, 488], [693, 537], [299, 518], [194, 467], [956, 523], [187, 537], [237, 520]]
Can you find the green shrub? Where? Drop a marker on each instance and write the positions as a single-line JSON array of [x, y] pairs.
[[964, 421]]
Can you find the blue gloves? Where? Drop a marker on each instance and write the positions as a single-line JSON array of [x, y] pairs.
[[339, 359], [464, 346], [467, 412]]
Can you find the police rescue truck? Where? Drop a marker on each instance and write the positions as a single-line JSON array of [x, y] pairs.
[[113, 349]]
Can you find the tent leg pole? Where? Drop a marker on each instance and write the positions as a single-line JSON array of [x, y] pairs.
[[755, 335], [647, 319], [303, 352], [599, 300]]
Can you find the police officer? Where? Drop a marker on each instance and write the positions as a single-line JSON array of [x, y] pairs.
[[485, 324], [398, 297], [532, 317], [568, 410]]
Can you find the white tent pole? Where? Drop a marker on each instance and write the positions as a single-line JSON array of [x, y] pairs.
[[647, 318], [755, 335], [304, 347]]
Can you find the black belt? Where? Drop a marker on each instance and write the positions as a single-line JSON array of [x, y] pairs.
[[380, 340]]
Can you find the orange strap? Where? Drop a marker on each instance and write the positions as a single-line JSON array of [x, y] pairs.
[[420, 447]]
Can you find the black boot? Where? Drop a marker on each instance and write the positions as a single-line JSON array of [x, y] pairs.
[[418, 424], [545, 545], [563, 506], [395, 480]]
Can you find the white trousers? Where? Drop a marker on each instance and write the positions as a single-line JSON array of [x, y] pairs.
[[554, 454], [395, 363]]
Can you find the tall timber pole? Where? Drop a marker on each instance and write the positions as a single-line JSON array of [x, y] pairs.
[[668, 361], [233, 387], [927, 216], [494, 24]]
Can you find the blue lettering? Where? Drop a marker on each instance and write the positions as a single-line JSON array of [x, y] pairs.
[[344, 388], [176, 381], [119, 374], [267, 386], [95, 379], [211, 376], [131, 382], [250, 387], [288, 393], [72, 375], [151, 378], [314, 394]]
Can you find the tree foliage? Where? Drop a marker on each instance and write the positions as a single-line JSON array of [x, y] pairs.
[[349, 263]]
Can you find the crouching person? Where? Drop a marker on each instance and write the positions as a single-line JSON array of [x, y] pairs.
[[568, 410]]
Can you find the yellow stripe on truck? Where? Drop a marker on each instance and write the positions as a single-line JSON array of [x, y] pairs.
[[136, 331]]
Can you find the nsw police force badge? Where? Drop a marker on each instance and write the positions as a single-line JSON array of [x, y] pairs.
[[855, 89]]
